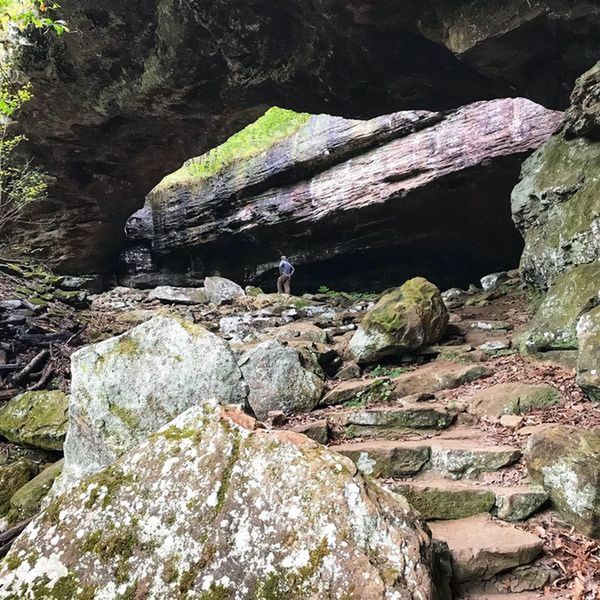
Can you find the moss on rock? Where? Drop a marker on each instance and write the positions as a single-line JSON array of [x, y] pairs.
[[13, 477], [403, 320], [37, 419], [554, 327]]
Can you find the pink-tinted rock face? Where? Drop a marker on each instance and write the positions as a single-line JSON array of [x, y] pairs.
[[354, 202]]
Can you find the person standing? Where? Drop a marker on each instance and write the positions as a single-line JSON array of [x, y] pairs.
[[286, 270]]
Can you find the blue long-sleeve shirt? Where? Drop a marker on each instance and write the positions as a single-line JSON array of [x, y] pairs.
[[286, 268]]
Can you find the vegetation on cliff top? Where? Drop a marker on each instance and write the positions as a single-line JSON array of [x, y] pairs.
[[275, 125]]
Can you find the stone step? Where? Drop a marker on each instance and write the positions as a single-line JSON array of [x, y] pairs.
[[481, 547], [438, 498], [454, 456], [391, 422]]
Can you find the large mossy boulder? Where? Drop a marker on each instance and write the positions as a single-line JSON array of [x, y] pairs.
[[556, 206], [36, 419], [12, 477], [554, 327], [405, 319], [26, 501], [278, 380], [566, 461], [210, 509], [126, 387], [588, 363]]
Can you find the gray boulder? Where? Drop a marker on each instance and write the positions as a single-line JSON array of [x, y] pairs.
[[220, 290], [278, 380], [178, 295], [566, 461], [129, 386], [208, 509], [588, 362]]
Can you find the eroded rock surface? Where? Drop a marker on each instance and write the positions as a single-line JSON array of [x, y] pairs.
[[37, 419], [566, 461], [126, 387], [355, 204], [588, 363], [209, 508], [278, 380], [170, 81]]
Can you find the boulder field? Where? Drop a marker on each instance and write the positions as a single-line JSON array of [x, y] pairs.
[[170, 488]]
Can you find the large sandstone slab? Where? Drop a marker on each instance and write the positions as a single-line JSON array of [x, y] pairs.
[[208, 508], [436, 376], [126, 387], [481, 548], [355, 219]]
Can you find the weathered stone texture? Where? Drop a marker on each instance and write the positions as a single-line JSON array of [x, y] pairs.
[[169, 80], [355, 204], [209, 508], [126, 387]]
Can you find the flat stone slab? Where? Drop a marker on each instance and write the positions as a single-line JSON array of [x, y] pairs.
[[386, 458], [480, 547], [387, 422], [435, 376], [436, 497], [362, 389], [451, 458]]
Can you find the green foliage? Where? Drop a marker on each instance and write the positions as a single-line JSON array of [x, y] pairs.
[[275, 125], [388, 371], [20, 183], [352, 296]]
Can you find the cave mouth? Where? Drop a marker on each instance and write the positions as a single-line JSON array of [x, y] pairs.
[[453, 231]]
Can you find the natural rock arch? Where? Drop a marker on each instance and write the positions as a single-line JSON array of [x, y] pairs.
[[135, 92]]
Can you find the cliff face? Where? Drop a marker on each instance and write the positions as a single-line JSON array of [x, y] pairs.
[[354, 204], [135, 91], [556, 205]]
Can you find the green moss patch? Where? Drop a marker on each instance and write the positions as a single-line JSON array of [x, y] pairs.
[[274, 126]]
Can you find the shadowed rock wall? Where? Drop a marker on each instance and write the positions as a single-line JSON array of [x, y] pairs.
[[135, 90]]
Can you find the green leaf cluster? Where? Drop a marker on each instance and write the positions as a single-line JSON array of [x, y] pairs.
[[20, 182]]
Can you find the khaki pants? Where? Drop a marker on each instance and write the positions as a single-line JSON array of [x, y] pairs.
[[283, 284]]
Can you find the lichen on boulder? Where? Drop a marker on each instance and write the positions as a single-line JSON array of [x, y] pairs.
[[127, 387], [37, 419], [588, 362], [278, 380], [403, 320], [566, 461], [207, 508]]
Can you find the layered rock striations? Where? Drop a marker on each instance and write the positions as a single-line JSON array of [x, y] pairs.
[[354, 204], [130, 94]]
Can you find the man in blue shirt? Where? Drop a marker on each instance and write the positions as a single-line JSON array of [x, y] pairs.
[[286, 270]]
